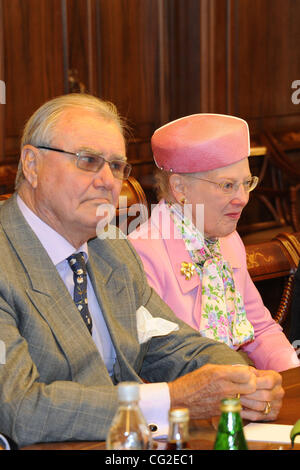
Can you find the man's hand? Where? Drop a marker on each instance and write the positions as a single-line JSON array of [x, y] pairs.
[[268, 390], [203, 389]]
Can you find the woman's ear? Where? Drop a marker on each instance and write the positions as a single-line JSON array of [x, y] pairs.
[[178, 187], [29, 156]]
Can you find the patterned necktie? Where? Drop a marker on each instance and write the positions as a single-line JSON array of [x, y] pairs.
[[77, 264]]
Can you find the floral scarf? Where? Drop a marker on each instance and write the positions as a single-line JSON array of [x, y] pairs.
[[223, 315]]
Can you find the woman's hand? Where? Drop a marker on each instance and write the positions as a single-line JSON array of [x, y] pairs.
[[264, 404]]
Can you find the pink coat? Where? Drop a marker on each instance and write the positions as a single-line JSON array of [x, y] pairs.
[[162, 260]]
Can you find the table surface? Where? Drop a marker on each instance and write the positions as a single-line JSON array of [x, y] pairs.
[[203, 432]]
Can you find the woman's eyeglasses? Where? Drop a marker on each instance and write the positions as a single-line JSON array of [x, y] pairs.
[[228, 187]]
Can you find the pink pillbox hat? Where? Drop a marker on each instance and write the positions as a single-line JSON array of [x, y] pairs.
[[200, 142]]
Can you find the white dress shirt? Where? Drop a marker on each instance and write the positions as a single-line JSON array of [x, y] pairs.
[[154, 398]]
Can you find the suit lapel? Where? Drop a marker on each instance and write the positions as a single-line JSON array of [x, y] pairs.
[[117, 305], [48, 293]]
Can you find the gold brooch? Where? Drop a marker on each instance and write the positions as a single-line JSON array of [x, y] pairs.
[[187, 270]]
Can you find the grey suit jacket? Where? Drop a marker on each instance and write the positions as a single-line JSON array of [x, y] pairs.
[[54, 385]]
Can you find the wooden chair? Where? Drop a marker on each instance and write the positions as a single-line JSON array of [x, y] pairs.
[[294, 333], [3, 197], [7, 177], [272, 266], [274, 205], [132, 209]]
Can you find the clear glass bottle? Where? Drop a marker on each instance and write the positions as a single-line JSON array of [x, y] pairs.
[[230, 435], [129, 430], [178, 436]]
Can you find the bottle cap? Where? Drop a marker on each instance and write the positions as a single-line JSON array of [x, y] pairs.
[[179, 415], [128, 391], [231, 404]]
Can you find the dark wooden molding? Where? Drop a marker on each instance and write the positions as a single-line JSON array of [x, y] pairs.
[[156, 60], [2, 77]]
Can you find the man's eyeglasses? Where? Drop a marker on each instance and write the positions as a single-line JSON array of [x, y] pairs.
[[91, 162], [228, 187]]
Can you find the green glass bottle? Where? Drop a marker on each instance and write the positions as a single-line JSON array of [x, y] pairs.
[[230, 435]]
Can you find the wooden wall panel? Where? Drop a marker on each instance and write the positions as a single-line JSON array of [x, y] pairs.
[[235, 57], [197, 42], [197, 45], [33, 61], [220, 78], [264, 60], [184, 57], [157, 60], [82, 47], [129, 63], [2, 105]]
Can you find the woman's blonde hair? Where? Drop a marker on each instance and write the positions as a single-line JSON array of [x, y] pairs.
[[40, 127], [162, 185]]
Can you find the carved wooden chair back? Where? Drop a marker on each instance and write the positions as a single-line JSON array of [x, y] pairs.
[[272, 266]]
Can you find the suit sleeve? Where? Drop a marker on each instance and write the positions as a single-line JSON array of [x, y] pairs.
[[182, 351], [34, 410]]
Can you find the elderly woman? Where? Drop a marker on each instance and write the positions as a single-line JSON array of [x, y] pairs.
[[192, 254]]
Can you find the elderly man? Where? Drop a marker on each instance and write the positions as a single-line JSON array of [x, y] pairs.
[[65, 355]]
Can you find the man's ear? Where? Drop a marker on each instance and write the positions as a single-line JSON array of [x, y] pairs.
[[29, 157], [178, 187]]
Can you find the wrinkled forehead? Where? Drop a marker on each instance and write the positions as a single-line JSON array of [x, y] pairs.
[[71, 119], [86, 129]]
